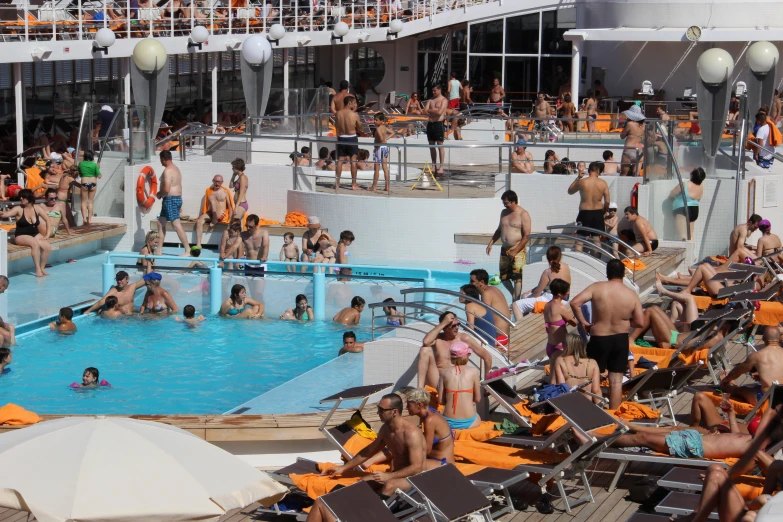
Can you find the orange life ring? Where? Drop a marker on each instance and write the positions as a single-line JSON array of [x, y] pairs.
[[146, 198]]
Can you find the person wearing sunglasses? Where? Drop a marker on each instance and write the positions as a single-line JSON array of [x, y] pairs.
[[57, 213]]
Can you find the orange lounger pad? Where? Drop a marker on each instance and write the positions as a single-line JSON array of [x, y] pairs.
[[768, 314], [694, 356], [660, 356], [504, 457], [705, 301]]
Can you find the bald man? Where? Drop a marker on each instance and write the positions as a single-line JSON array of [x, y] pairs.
[[768, 362]]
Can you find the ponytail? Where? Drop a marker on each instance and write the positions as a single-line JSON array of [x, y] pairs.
[[554, 255]]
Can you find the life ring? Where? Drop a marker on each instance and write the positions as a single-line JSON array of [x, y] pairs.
[[146, 198]]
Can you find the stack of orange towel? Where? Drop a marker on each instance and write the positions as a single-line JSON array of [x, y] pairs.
[[295, 219]]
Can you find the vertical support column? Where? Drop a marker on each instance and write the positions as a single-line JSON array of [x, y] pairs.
[[347, 58], [286, 84], [108, 275], [215, 289], [576, 70], [3, 252], [215, 60], [429, 282], [319, 294], [126, 68], [19, 108]]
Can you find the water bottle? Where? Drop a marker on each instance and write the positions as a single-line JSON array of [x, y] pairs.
[[535, 395]]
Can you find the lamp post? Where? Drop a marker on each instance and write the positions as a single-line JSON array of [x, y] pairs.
[[104, 39], [395, 28], [256, 63], [340, 30], [150, 80], [198, 35], [276, 33], [763, 60], [715, 67]]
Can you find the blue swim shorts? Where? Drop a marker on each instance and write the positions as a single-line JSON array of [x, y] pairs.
[[171, 207], [685, 444]]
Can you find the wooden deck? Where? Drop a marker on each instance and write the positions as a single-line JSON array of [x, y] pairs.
[[78, 236]]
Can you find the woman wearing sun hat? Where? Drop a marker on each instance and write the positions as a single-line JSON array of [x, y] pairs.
[[310, 239], [633, 134]]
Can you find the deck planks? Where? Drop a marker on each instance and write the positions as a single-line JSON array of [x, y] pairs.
[[78, 236]]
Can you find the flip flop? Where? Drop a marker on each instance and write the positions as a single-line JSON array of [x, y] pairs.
[[71, 261], [48, 265]]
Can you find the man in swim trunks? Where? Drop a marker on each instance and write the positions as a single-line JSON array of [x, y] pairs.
[[434, 354], [513, 231], [644, 235], [615, 309], [171, 194], [56, 211], [496, 94], [592, 190], [218, 207], [436, 113], [689, 444], [349, 128], [493, 297], [124, 291], [455, 91]]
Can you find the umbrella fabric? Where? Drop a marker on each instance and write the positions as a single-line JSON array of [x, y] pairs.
[[119, 469]]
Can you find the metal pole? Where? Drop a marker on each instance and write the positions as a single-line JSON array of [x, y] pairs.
[[508, 177], [739, 173], [108, 275], [319, 294], [215, 289], [19, 94]]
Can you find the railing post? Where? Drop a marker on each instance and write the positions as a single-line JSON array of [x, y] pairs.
[[319, 293], [429, 282], [108, 275], [215, 289]]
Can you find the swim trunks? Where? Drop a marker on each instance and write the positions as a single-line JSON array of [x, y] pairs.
[[254, 270], [685, 444], [454, 104], [765, 163], [347, 146], [435, 131], [654, 244], [609, 351], [171, 207], [673, 337], [511, 267], [591, 219], [380, 153]]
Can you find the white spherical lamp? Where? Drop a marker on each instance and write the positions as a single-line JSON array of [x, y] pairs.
[[395, 27], [199, 34], [341, 29], [715, 66], [276, 32], [105, 37], [149, 55], [256, 50], [762, 57]]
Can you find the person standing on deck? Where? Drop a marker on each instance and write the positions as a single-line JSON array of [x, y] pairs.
[[349, 128], [171, 195], [513, 232], [592, 190]]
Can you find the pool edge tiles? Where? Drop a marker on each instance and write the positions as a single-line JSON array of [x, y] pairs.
[[303, 393]]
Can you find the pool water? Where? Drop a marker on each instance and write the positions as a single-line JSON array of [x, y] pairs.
[[160, 366]]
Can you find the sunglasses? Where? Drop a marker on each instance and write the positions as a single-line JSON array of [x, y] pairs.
[[51, 199], [381, 410]]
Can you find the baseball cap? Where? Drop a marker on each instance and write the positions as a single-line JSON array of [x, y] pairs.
[[153, 276], [613, 205]]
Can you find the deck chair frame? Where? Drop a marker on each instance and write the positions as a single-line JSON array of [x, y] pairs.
[[458, 489], [656, 395]]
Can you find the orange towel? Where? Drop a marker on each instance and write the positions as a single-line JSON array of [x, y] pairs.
[[504, 457], [356, 444], [434, 398], [661, 356], [538, 308], [523, 410], [548, 424], [693, 356], [13, 415], [740, 407], [35, 181], [634, 264], [705, 301], [484, 431], [769, 314], [295, 219], [226, 217], [634, 411]]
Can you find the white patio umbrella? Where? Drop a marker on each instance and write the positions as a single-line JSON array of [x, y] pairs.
[[120, 469]]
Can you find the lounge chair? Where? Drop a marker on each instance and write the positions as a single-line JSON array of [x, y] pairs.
[[357, 502], [646, 517], [775, 392], [444, 494], [678, 503], [658, 387]]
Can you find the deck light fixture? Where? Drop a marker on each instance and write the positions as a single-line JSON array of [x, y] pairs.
[[198, 35], [395, 28], [276, 33], [104, 39], [340, 30]]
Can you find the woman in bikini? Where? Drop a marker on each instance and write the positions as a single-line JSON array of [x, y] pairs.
[[591, 107], [477, 317], [150, 245], [393, 317], [414, 105], [460, 381], [437, 432], [633, 134], [239, 182], [556, 316], [32, 229], [239, 306], [574, 368], [302, 312], [156, 300], [541, 293]]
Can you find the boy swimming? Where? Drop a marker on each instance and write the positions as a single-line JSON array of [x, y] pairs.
[[190, 319], [63, 324]]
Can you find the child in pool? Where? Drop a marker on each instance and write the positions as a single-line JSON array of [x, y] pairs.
[[190, 319], [90, 379], [231, 246], [352, 315], [5, 360], [290, 251], [393, 317], [195, 251], [63, 324], [346, 238], [112, 310], [302, 312], [326, 252]]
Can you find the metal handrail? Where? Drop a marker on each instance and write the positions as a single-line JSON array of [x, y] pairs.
[[207, 150], [775, 154], [460, 296], [598, 232], [584, 242], [679, 177], [190, 129]]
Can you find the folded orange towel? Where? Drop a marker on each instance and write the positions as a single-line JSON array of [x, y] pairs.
[[538, 308], [634, 264], [769, 314], [704, 301], [14, 415], [295, 219], [484, 431], [634, 411], [661, 356]]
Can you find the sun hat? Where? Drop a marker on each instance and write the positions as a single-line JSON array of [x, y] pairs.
[[764, 225], [634, 113], [153, 276], [613, 205], [459, 349], [313, 220]]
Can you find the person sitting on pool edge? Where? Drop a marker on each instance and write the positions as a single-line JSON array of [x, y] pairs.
[[63, 324], [240, 306], [351, 315], [157, 299], [5, 360], [302, 311], [113, 309], [350, 345], [190, 319]]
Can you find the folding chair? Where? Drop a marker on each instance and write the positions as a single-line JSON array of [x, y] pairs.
[[444, 494], [659, 387], [506, 395], [677, 503], [582, 416], [766, 294], [775, 392]]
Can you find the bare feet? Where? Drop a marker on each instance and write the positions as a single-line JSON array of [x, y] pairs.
[[658, 285], [371, 189], [39, 273], [45, 272], [356, 187]]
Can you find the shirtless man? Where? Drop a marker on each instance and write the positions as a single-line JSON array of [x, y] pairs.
[[513, 232], [56, 212], [436, 112], [541, 108], [768, 362], [218, 207], [522, 160], [380, 154], [256, 243], [568, 114], [349, 128], [337, 100], [688, 443], [496, 94], [592, 190], [633, 134], [434, 353], [124, 292], [739, 235], [494, 298], [615, 309], [405, 442], [775, 111], [171, 194], [645, 236]]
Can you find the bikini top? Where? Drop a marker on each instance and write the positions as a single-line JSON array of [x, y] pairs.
[[561, 322], [455, 392], [584, 378], [435, 439]]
